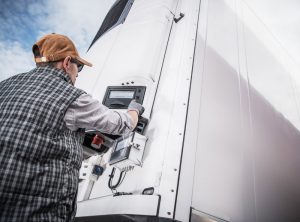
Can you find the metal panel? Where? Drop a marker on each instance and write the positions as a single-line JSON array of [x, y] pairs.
[[126, 204], [248, 158], [185, 184], [197, 216], [173, 93], [133, 54], [218, 175]]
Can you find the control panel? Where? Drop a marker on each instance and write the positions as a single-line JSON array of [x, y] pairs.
[[122, 147], [104, 151], [119, 97], [128, 151]]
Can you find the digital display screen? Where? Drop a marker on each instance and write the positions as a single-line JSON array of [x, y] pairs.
[[121, 94], [122, 147], [123, 143]]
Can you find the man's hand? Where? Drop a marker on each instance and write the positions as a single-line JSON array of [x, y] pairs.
[[133, 105]]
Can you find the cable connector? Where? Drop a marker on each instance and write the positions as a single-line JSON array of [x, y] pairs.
[[121, 193]]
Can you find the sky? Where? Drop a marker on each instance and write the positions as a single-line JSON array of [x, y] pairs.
[[23, 22]]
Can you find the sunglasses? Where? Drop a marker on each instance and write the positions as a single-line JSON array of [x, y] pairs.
[[79, 65]]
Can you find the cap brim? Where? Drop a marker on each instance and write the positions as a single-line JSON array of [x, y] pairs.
[[84, 62]]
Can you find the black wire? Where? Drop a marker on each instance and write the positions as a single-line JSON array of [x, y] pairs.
[[120, 179], [123, 177], [110, 177]]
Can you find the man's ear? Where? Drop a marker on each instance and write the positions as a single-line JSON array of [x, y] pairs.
[[67, 63]]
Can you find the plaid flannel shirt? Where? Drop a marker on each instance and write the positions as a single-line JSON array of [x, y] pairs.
[[39, 156]]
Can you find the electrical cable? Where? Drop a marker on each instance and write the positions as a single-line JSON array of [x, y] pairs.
[[123, 177], [120, 179]]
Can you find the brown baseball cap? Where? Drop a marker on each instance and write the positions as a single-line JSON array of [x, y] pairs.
[[55, 47]]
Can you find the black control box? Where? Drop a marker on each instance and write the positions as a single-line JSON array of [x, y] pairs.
[[119, 97]]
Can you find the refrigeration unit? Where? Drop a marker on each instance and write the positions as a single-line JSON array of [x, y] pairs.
[[219, 139]]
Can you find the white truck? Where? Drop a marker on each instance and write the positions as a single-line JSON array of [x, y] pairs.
[[219, 139]]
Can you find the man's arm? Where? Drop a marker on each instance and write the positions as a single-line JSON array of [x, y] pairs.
[[89, 113]]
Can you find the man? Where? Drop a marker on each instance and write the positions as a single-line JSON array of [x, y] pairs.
[[41, 113]]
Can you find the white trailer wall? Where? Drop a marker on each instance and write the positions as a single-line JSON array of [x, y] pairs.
[[242, 122]]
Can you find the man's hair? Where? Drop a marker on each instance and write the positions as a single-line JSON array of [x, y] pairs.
[[44, 64]]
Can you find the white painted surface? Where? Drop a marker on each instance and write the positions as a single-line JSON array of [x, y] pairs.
[[128, 204], [134, 51], [241, 139], [243, 122], [174, 91]]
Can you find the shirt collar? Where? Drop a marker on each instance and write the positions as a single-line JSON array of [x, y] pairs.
[[54, 71]]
